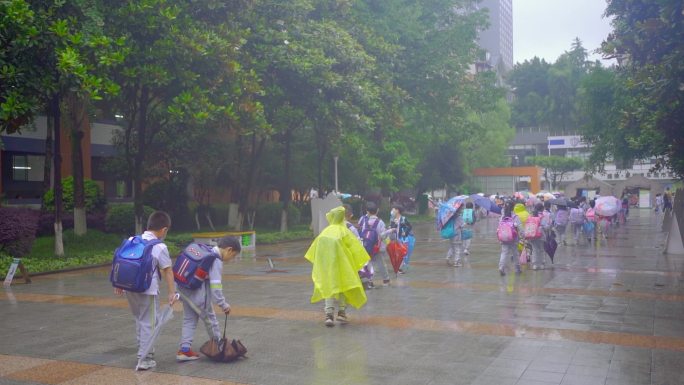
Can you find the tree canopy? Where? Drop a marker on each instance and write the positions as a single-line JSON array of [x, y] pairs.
[[263, 95]]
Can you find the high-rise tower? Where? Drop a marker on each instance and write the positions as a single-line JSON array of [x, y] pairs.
[[497, 40]]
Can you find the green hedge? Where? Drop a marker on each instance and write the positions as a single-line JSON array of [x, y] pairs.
[[268, 215], [121, 218], [94, 198]]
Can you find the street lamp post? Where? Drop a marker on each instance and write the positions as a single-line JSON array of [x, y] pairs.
[[337, 190]]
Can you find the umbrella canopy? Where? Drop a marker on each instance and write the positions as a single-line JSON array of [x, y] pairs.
[[486, 203], [448, 209], [165, 316], [562, 201], [397, 251], [607, 206]]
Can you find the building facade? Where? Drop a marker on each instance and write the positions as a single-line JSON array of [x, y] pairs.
[[497, 40], [22, 161]]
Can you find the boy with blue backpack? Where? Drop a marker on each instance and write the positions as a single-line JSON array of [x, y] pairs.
[[138, 265], [198, 272]]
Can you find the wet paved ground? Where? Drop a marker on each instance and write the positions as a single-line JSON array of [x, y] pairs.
[[613, 315]]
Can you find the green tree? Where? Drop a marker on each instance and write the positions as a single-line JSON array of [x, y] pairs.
[[648, 41], [50, 51], [555, 167], [182, 73]]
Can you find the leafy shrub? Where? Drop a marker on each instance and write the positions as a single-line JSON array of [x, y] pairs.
[[94, 198], [17, 230], [46, 221], [170, 196], [268, 215], [121, 218]]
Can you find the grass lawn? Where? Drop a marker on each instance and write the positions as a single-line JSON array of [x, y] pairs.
[[97, 248]]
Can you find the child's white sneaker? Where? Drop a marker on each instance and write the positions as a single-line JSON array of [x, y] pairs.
[[329, 320], [342, 317], [146, 364]]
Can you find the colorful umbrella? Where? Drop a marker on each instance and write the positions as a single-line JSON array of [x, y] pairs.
[[607, 206], [448, 209], [486, 203]]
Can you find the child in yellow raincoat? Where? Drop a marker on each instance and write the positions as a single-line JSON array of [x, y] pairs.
[[337, 256]]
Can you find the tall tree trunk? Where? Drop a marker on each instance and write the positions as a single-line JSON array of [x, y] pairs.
[[57, 163], [285, 189], [47, 168], [77, 119], [251, 177], [139, 159]]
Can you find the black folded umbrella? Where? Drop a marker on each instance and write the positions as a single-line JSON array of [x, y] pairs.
[[550, 245]]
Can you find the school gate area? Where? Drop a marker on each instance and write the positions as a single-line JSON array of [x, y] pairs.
[[609, 316]]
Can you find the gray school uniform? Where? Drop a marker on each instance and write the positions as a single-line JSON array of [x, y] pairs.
[[145, 306], [210, 291], [378, 259]]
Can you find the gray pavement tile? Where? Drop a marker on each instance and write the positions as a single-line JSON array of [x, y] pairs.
[[494, 380], [596, 371], [545, 366], [576, 379], [545, 376], [523, 381], [284, 351]]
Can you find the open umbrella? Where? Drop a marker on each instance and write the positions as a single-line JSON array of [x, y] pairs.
[[607, 206], [562, 201], [448, 209], [397, 251], [165, 316], [486, 203]]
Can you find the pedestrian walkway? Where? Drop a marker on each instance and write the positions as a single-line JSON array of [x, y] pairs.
[[609, 315]]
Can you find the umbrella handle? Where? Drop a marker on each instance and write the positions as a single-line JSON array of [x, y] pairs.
[[225, 323]]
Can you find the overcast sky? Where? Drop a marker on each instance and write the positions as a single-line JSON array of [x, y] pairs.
[[547, 28]]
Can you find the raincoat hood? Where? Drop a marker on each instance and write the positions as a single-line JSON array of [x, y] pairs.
[[337, 256], [521, 212], [335, 216]]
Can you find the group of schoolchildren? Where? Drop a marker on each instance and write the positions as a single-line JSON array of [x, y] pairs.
[[345, 257], [339, 254], [143, 298], [545, 221]]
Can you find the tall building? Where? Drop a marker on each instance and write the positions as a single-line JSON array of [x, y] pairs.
[[497, 40]]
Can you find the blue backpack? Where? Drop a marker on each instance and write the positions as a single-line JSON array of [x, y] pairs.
[[448, 231], [468, 217], [133, 265], [193, 264], [369, 236]]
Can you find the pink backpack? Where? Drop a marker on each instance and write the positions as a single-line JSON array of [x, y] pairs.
[[506, 231], [533, 228], [591, 215]]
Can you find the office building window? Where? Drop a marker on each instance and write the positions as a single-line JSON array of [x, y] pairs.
[[28, 168]]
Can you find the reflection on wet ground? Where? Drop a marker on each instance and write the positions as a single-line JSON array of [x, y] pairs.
[[612, 314]]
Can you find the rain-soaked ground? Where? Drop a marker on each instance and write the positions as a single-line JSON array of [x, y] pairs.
[[607, 315]]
